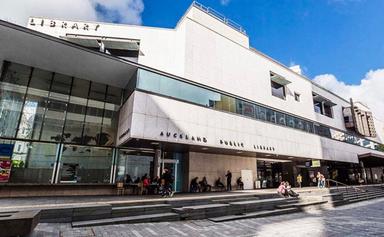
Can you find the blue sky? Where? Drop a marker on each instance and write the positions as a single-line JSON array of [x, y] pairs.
[[342, 37]]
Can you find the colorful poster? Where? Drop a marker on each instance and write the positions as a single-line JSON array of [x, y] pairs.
[[6, 151], [5, 169]]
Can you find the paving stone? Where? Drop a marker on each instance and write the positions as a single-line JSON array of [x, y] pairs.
[[360, 219]]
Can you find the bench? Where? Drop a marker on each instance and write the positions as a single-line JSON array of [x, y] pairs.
[[19, 223]]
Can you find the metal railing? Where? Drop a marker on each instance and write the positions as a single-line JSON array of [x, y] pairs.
[[344, 187], [220, 17]]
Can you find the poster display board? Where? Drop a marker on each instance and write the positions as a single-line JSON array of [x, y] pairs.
[[6, 151]]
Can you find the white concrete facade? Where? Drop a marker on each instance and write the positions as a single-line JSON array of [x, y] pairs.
[[204, 50]]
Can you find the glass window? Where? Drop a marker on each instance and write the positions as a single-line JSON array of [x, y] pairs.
[[93, 122], [13, 86], [54, 121], [84, 164], [328, 111], [278, 90], [107, 136], [245, 108], [32, 162], [113, 95], [61, 87], [271, 116], [297, 97], [76, 111], [97, 91], [35, 105], [261, 113], [133, 165], [280, 118], [290, 121]]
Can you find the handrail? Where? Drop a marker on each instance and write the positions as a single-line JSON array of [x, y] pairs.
[[346, 186], [220, 17]]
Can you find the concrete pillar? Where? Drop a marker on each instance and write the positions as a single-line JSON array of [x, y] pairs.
[[363, 172], [156, 162]]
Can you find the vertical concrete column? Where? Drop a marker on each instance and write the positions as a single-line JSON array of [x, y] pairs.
[[156, 162], [363, 172]]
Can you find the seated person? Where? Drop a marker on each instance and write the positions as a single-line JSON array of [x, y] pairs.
[[289, 190], [281, 190], [205, 187], [128, 179], [240, 183], [219, 184], [194, 186]]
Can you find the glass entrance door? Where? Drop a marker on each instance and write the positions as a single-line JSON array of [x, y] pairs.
[[172, 166]]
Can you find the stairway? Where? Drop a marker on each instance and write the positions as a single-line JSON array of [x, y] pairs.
[[132, 214], [352, 194]]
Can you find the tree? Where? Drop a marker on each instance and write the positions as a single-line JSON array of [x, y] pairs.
[[381, 147]]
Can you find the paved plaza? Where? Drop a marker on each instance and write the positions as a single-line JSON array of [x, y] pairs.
[[360, 219]]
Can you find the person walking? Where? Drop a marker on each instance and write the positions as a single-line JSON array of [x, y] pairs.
[[318, 177], [229, 180], [299, 180]]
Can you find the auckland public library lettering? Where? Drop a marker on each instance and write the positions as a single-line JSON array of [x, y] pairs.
[[62, 129]]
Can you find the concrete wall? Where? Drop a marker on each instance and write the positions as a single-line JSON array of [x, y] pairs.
[[205, 50], [150, 115], [214, 166]]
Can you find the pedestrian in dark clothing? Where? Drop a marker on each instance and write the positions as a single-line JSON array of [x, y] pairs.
[[194, 187], [229, 180]]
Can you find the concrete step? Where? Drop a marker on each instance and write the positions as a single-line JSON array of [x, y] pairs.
[[362, 195], [255, 214], [301, 204], [160, 217], [140, 210], [356, 199], [258, 205], [236, 199], [138, 203], [189, 202], [205, 211]]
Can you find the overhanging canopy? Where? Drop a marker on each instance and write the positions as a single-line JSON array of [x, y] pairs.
[[32, 48], [279, 79], [372, 160], [319, 98]]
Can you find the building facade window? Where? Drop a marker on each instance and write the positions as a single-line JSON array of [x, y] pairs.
[[85, 164], [32, 162], [278, 90], [156, 83], [297, 97], [322, 105], [46, 106], [13, 86]]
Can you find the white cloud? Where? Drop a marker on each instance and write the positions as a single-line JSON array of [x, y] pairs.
[[224, 2], [18, 11], [370, 91]]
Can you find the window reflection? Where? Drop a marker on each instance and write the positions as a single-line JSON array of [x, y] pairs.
[[85, 164], [13, 86], [150, 81]]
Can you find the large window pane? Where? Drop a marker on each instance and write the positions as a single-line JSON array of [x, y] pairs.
[[261, 113], [245, 108], [133, 165], [107, 136], [93, 122], [76, 111], [280, 118], [35, 105], [13, 86], [54, 121], [271, 116], [83, 164], [32, 162]]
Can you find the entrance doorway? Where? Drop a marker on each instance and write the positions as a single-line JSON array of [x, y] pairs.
[[175, 163]]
